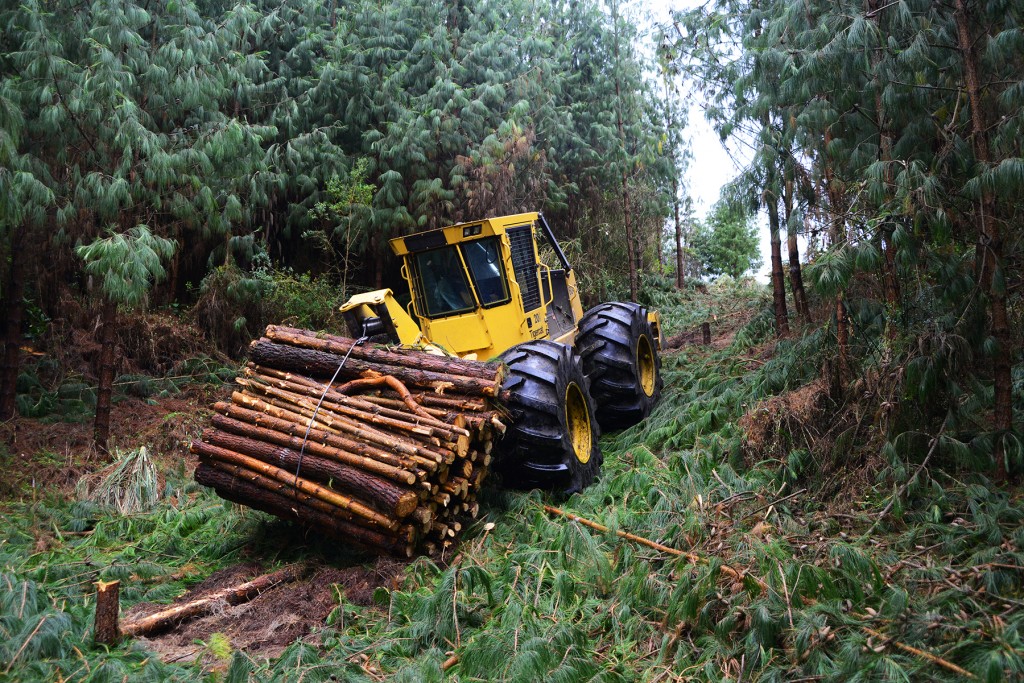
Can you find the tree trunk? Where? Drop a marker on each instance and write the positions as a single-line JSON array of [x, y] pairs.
[[680, 264], [796, 278], [14, 294], [892, 291], [989, 247], [837, 233], [108, 339], [108, 607], [778, 278]]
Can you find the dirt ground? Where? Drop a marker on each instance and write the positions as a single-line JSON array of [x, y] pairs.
[[266, 625], [37, 455]]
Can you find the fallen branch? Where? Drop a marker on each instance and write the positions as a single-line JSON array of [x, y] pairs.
[[236, 595], [692, 557], [934, 659]]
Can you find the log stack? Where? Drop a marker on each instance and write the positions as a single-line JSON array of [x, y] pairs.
[[383, 447]]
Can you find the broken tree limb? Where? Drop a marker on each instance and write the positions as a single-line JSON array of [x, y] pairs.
[[934, 659], [692, 557], [165, 619]]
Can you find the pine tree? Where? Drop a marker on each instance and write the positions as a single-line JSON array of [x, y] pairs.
[[127, 265]]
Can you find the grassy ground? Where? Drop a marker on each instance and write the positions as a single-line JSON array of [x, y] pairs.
[[782, 580]]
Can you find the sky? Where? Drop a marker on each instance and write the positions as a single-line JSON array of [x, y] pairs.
[[712, 166]]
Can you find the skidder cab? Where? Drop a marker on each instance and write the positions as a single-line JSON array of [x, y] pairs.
[[480, 290]]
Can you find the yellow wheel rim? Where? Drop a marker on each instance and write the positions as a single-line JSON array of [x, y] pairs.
[[577, 419], [647, 368]]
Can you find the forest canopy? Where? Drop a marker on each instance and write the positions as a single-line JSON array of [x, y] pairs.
[[223, 126]]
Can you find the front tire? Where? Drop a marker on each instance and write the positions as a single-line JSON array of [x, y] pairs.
[[620, 356], [552, 441]]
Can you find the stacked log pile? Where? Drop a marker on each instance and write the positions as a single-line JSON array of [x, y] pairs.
[[388, 452]]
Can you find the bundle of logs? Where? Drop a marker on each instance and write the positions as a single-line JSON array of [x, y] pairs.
[[383, 447]]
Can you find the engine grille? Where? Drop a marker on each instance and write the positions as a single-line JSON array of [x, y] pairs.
[[524, 264]]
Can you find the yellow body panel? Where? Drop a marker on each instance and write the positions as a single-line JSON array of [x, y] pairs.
[[364, 304], [472, 326], [485, 331]]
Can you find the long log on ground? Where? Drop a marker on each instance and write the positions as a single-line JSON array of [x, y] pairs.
[[244, 492], [370, 352], [333, 446], [288, 481], [321, 364], [415, 445], [165, 619], [382, 494]]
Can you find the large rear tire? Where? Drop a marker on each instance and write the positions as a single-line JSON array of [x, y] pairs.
[[552, 441], [620, 356]]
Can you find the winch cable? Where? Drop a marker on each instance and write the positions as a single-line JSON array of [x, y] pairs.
[[305, 438]]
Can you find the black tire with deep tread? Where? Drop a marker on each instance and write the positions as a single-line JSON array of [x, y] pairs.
[[607, 343], [536, 451]]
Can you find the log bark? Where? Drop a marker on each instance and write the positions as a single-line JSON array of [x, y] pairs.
[[288, 481], [392, 356], [108, 609], [355, 409], [382, 494], [165, 619], [396, 408], [307, 509], [246, 492], [337, 423], [320, 364], [319, 442]]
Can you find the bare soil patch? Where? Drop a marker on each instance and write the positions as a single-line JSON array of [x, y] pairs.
[[266, 625], [37, 455]]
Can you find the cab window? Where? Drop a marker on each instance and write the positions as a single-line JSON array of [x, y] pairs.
[[443, 287], [484, 260]]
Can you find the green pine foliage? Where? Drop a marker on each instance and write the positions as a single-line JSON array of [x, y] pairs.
[[533, 597]]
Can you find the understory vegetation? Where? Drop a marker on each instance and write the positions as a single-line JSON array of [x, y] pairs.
[[790, 570]]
